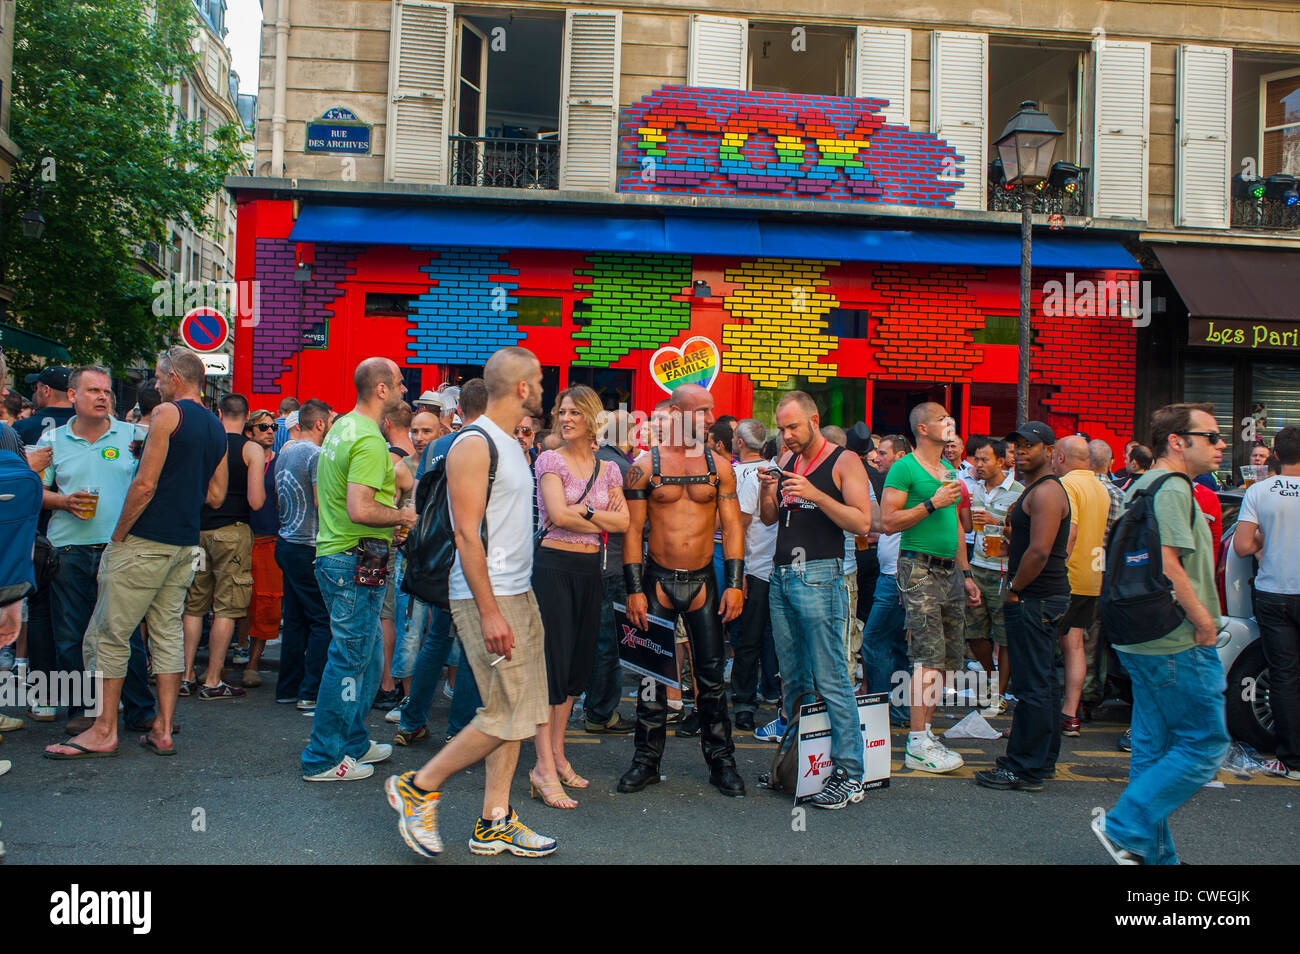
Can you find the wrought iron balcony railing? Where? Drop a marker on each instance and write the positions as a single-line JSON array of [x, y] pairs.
[[505, 163], [1065, 193]]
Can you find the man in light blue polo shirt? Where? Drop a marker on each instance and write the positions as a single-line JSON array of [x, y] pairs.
[[86, 484]]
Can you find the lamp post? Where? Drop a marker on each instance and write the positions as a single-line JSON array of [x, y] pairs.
[[1025, 148]]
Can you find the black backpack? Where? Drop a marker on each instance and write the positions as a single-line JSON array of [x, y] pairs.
[[430, 547], [1137, 600]]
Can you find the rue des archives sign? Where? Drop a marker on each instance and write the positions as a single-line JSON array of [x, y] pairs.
[[1238, 333], [338, 132]]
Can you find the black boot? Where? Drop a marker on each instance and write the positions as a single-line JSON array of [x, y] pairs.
[[727, 780], [638, 777]]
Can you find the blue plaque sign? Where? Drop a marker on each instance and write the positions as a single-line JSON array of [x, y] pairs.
[[338, 132]]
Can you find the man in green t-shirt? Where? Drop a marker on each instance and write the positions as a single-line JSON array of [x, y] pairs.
[[355, 490], [920, 501], [1179, 735]]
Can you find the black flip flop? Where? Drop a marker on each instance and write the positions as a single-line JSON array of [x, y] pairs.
[[152, 746], [82, 753]]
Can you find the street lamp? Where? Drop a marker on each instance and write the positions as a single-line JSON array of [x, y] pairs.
[[1025, 148], [33, 224]]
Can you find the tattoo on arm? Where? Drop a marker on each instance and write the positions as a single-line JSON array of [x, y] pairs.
[[634, 475], [731, 496]]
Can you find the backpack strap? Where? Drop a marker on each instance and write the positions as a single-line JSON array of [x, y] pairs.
[[492, 472], [1159, 482]]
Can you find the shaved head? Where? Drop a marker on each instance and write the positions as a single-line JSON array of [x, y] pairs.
[[931, 416], [371, 373], [689, 397], [1073, 451], [506, 368], [1100, 456]]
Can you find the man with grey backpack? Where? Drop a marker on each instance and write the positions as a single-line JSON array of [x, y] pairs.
[[1161, 607]]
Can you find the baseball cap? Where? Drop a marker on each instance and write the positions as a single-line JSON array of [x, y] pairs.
[[55, 376], [291, 421], [430, 397], [1034, 432]]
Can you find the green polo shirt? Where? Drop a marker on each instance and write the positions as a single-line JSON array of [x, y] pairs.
[[354, 453], [78, 464], [937, 533]]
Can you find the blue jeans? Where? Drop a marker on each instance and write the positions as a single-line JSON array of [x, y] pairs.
[[306, 623], [884, 643], [432, 656], [809, 609], [1179, 740], [353, 665], [73, 592], [1035, 743], [410, 635], [606, 675], [401, 609]]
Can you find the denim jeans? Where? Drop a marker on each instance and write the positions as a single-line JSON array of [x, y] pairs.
[[884, 644], [410, 635], [306, 623], [432, 656], [1279, 632], [809, 606], [353, 665], [606, 675], [755, 650], [1035, 741], [402, 649], [73, 592], [1179, 740]]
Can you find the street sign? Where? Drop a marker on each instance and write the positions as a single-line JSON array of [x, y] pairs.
[[338, 131], [216, 365], [204, 330]]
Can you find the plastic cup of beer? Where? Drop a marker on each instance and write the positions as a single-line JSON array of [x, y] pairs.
[[993, 541], [1250, 473], [90, 509]]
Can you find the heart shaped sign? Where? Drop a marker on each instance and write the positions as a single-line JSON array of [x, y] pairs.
[[695, 362]]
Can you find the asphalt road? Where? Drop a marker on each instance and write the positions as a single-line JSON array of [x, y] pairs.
[[233, 795]]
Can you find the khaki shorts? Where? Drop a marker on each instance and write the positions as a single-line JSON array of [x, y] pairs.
[[514, 691], [936, 620], [140, 579], [223, 581], [986, 620]]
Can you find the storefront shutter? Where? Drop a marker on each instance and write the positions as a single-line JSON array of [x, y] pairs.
[[1122, 81], [1204, 136], [719, 52], [589, 99], [959, 81], [419, 77], [884, 70]]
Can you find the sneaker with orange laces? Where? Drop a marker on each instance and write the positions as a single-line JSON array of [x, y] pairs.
[[417, 814], [512, 835]]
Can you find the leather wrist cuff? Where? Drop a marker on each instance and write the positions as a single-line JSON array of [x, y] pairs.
[[632, 577], [636, 493], [733, 571]]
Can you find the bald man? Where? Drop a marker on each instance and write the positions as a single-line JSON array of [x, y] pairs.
[[356, 489], [1090, 508], [684, 487]]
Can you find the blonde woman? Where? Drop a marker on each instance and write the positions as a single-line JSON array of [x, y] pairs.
[[579, 499]]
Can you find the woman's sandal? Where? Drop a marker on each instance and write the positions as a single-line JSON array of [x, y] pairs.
[[546, 791], [572, 779]]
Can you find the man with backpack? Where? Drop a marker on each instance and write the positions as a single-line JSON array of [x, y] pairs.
[[1160, 605]]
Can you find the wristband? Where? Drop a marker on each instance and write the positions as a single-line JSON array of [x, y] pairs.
[[734, 573], [929, 505], [636, 493], [632, 577], [968, 574]]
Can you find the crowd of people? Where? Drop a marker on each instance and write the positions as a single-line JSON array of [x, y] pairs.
[[797, 563]]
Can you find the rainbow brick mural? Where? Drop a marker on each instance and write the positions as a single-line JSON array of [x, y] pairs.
[[732, 142], [632, 301], [785, 312]]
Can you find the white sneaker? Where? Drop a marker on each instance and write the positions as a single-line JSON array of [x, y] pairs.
[[377, 752], [1278, 767], [43, 713], [447, 690], [932, 756], [395, 713], [1121, 856], [997, 706], [346, 771]]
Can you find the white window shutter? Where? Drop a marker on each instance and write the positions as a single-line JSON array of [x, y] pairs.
[[419, 84], [719, 52], [959, 82], [589, 99], [1204, 137], [884, 70], [1122, 84]]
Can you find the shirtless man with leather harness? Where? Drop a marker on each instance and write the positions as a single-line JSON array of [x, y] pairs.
[[684, 487]]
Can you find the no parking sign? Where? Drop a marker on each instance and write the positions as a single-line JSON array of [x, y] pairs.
[[204, 329]]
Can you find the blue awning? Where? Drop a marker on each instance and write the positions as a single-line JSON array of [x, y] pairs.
[[743, 236]]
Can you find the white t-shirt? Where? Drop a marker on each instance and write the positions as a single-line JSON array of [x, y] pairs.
[[1274, 504], [760, 540], [887, 548], [509, 519]]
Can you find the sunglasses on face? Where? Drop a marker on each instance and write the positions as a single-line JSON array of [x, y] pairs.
[[524, 431], [1212, 436], [263, 427]]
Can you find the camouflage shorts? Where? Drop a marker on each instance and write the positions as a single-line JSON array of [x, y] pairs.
[[986, 620], [936, 622]]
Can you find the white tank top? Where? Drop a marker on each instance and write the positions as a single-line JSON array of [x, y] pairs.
[[509, 519]]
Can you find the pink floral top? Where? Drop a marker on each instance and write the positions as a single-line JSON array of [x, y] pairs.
[[551, 462]]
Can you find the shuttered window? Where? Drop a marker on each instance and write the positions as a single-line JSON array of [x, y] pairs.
[[959, 81], [1122, 81], [1204, 136], [589, 99], [884, 70], [719, 52], [419, 81]]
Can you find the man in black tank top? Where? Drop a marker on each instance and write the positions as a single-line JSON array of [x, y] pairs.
[[821, 492], [1036, 598]]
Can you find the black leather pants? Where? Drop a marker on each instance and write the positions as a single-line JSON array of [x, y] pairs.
[[704, 630]]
